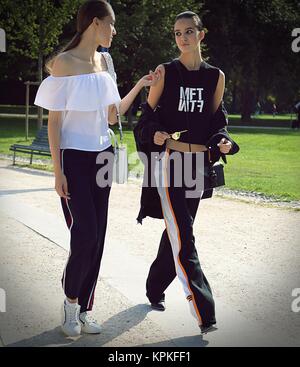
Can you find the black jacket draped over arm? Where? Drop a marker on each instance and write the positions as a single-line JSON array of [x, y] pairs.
[[148, 124]]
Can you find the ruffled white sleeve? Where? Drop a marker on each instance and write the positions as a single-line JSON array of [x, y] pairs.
[[51, 94]]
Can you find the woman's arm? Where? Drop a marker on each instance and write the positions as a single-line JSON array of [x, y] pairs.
[[148, 80], [219, 93], [54, 128], [60, 68], [157, 89], [155, 93], [126, 102]]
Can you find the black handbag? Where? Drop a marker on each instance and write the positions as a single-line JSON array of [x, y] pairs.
[[213, 174]]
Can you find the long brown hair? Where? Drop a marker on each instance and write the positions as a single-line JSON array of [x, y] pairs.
[[85, 15]]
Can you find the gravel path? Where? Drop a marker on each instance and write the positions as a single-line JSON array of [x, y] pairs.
[[251, 258]]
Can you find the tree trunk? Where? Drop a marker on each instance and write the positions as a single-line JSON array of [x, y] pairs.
[[40, 78], [233, 103], [40, 62], [247, 104]]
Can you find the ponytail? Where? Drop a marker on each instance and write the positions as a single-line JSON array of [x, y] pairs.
[[73, 43]]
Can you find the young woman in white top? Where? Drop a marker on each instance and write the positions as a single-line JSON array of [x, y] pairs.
[[81, 95]]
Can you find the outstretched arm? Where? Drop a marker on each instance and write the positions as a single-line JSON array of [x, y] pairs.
[[146, 81]]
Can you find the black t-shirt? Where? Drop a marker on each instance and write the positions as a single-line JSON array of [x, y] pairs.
[[188, 92]]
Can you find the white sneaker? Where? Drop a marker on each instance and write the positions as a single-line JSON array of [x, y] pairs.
[[70, 324], [89, 325]]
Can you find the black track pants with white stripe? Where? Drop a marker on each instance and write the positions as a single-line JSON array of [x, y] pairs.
[[177, 254], [86, 217]]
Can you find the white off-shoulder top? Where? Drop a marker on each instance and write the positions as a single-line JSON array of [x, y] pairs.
[[83, 100]]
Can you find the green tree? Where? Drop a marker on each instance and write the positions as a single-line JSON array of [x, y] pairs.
[[32, 28], [251, 41], [145, 36]]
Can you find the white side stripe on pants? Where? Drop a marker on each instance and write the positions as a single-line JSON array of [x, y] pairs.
[[173, 230], [88, 305]]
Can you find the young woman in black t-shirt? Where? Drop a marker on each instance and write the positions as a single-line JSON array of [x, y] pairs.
[[189, 93]]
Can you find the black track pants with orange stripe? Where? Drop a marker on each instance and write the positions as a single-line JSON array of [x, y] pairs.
[[177, 254], [86, 218]]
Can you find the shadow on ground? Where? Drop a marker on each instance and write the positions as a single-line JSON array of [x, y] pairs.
[[112, 329]]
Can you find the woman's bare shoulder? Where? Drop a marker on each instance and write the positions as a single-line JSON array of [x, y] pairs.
[[221, 80], [161, 69], [63, 65], [221, 74]]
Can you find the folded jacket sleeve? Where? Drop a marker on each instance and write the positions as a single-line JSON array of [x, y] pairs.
[[219, 119], [147, 125], [219, 125]]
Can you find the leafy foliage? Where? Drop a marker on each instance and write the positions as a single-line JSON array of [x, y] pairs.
[[145, 36], [249, 40], [32, 28]]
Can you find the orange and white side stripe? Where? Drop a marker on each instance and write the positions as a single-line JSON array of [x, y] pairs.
[[161, 176]]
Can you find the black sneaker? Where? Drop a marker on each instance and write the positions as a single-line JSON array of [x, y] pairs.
[[207, 329], [158, 306]]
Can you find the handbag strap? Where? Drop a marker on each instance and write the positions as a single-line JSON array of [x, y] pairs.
[[115, 140], [111, 71], [119, 123]]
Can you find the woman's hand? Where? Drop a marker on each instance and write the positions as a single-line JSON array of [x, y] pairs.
[[160, 137], [61, 186], [225, 146], [151, 79]]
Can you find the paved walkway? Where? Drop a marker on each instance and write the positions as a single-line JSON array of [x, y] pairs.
[[252, 261]]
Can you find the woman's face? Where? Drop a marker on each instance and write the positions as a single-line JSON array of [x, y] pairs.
[[187, 36], [106, 30]]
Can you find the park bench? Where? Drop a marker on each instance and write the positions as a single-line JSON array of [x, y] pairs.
[[39, 146]]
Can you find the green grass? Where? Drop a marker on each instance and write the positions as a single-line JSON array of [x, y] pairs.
[[12, 130], [285, 117], [268, 161]]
